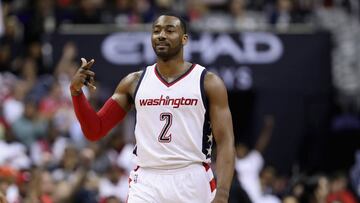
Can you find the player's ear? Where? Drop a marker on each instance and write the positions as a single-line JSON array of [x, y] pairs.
[[185, 39]]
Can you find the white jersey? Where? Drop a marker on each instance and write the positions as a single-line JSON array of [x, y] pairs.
[[172, 123]]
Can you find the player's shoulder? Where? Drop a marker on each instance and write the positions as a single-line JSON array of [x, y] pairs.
[[208, 74], [135, 75], [213, 84], [212, 79], [131, 78], [129, 81]]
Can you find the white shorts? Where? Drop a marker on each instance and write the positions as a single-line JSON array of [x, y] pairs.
[[194, 183]]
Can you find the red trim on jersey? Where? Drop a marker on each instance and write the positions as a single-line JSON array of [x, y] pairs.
[[207, 166], [212, 181], [168, 84], [212, 184]]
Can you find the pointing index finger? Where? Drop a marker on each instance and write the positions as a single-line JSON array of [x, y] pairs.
[[86, 65], [83, 62]]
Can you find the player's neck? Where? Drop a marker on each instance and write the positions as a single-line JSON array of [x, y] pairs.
[[172, 68]]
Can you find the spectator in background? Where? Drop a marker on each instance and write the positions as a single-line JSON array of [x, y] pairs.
[[355, 174], [339, 191], [67, 165], [82, 185], [13, 106], [284, 14], [8, 186], [115, 183], [46, 188], [177, 6], [118, 12], [3, 12], [296, 187], [244, 19], [48, 151], [290, 199], [3, 127], [7, 81], [267, 178], [13, 159], [5, 57], [43, 188], [11, 43], [119, 151], [39, 18], [28, 72], [13, 153], [52, 102], [86, 185], [35, 52], [88, 12], [13, 36], [249, 164], [101, 162], [126, 13], [196, 11], [237, 193], [316, 189], [143, 12], [212, 19], [29, 127], [236, 16], [21, 190], [280, 17], [64, 11], [66, 67], [2, 198], [64, 118]]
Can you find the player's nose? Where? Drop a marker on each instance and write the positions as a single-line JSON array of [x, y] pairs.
[[162, 35]]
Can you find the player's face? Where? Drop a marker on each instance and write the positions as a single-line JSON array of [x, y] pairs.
[[167, 37]]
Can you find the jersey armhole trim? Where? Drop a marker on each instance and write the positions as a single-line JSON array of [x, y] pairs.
[[138, 85], [202, 89]]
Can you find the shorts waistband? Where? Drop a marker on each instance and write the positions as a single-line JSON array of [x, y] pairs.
[[201, 166]]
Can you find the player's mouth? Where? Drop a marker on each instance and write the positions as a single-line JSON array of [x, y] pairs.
[[162, 45]]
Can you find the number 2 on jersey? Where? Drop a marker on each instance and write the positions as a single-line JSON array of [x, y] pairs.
[[163, 137]]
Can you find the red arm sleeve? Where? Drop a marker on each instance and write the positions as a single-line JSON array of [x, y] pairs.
[[95, 125]]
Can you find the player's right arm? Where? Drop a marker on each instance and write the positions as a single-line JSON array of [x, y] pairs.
[[94, 124]]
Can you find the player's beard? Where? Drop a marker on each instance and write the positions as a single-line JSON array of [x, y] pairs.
[[170, 53]]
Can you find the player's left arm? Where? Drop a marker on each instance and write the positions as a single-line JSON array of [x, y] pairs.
[[222, 129]]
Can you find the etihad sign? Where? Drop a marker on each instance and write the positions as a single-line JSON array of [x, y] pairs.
[[133, 48]]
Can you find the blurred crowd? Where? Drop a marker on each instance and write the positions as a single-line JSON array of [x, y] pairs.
[[43, 155]]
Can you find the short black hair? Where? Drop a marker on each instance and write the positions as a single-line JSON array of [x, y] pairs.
[[183, 22]]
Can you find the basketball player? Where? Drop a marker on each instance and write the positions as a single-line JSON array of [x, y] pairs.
[[175, 102]]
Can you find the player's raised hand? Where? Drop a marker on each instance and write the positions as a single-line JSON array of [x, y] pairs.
[[84, 76]]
